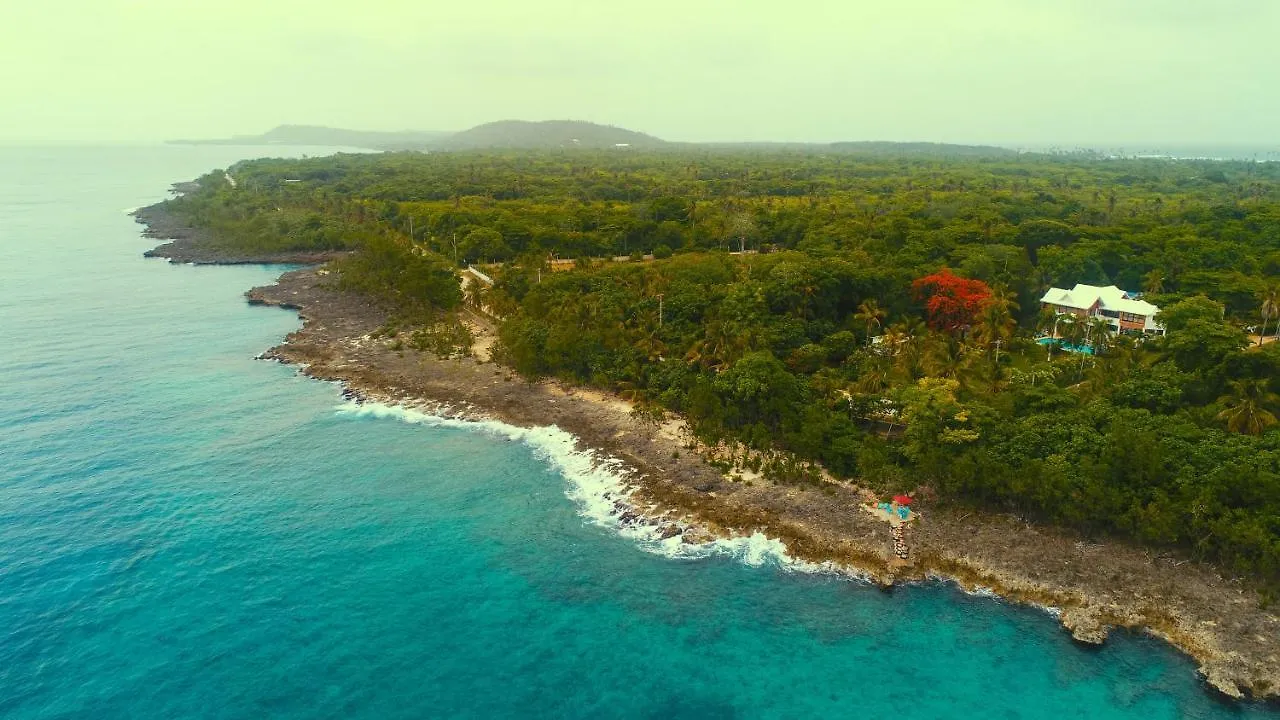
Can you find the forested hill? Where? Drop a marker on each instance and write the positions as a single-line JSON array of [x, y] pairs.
[[563, 134], [548, 134], [507, 134]]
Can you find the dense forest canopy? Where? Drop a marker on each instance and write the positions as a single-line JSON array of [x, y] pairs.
[[872, 309]]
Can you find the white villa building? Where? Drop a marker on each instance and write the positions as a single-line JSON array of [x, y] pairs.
[[1122, 310]]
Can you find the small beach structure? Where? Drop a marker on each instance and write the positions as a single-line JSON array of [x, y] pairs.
[[898, 515]]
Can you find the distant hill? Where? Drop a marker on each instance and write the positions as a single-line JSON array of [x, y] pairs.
[[554, 134], [547, 134], [316, 135]]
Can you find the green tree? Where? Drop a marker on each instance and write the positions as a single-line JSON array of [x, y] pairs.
[[1036, 234], [1246, 409], [1269, 308], [1177, 316], [484, 245], [870, 314], [995, 324], [759, 389], [936, 423], [1153, 282]]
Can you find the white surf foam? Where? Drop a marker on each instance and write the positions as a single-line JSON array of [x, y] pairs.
[[601, 488], [987, 593]]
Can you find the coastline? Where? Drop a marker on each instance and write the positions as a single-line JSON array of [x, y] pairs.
[[184, 244], [672, 492], [1215, 621]]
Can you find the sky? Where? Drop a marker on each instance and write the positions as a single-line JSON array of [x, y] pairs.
[[1010, 72]]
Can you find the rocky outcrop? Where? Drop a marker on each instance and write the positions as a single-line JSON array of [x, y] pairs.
[[1224, 674], [1086, 625]]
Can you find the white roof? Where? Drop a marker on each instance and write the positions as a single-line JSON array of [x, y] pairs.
[[1110, 297]]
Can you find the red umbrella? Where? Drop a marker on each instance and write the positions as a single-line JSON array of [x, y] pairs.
[[902, 499]]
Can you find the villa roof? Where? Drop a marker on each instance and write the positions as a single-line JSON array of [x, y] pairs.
[[1083, 297]]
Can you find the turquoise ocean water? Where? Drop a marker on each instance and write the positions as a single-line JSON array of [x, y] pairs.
[[186, 532]]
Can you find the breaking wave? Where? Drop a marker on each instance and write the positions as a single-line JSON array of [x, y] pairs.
[[602, 490]]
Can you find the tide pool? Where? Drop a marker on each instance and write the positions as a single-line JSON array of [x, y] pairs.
[[187, 532]]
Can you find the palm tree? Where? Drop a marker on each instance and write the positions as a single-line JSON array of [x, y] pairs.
[[1245, 408], [1047, 321], [719, 347], [945, 356], [475, 293], [996, 377], [1071, 328], [891, 342], [876, 376], [1122, 358], [870, 313], [1001, 296], [1153, 282], [1099, 332], [650, 345], [995, 323], [1047, 326], [1270, 308], [909, 350]]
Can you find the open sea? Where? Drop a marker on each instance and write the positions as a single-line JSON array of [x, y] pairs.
[[188, 532]]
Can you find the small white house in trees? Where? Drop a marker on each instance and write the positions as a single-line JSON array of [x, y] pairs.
[[1123, 311]]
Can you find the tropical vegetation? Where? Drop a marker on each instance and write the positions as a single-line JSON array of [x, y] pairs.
[[869, 312]]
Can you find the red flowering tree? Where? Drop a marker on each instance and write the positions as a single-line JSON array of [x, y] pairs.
[[950, 301]]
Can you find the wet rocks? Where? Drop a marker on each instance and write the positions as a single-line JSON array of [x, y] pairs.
[[697, 536]]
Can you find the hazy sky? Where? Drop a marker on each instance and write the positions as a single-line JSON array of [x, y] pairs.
[[1004, 71]]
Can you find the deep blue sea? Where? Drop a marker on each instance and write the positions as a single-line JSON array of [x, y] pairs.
[[187, 532]]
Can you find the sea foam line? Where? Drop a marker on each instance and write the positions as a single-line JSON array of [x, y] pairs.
[[602, 489], [982, 591]]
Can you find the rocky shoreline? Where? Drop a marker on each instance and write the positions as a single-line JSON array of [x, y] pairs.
[[1092, 588], [1095, 587]]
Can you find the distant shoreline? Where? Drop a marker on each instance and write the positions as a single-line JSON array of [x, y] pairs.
[[676, 492], [184, 244]]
